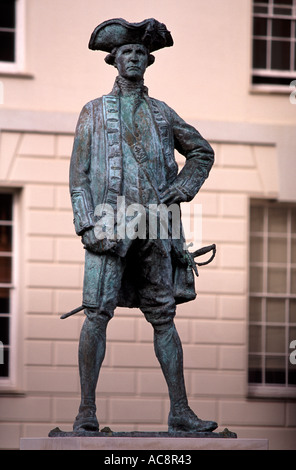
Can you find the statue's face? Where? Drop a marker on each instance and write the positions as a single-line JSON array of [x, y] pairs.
[[131, 61]]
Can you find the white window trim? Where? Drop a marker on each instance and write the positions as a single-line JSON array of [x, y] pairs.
[[13, 382], [268, 72], [265, 390], [19, 63]]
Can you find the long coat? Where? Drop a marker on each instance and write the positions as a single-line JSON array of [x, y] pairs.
[[96, 171]]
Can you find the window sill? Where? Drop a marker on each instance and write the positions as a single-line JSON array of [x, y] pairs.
[[9, 388], [270, 89], [22, 75], [12, 393], [272, 392]]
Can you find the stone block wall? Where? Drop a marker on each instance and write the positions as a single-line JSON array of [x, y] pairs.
[[132, 394]]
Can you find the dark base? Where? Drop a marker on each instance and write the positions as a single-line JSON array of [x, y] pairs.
[[56, 432]]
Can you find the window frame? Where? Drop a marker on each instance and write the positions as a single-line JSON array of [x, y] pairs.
[[268, 72], [13, 382], [19, 62], [263, 389]]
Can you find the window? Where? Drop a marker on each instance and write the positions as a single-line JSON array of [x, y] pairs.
[[11, 35], [274, 42], [6, 279], [10, 354], [272, 299]]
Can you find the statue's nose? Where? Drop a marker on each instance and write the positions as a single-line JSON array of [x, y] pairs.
[[134, 57]]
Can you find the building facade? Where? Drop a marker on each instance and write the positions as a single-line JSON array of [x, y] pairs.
[[230, 74]]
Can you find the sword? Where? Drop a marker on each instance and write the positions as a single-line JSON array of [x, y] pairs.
[[190, 260], [203, 251], [69, 314], [189, 256]]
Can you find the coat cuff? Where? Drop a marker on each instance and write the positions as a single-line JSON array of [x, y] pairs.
[[83, 215]]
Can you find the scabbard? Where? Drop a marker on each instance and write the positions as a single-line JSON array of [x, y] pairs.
[[69, 314]]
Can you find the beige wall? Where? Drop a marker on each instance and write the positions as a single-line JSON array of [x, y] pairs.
[[205, 75], [209, 68], [132, 393]]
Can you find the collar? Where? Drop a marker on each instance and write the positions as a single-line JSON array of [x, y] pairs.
[[125, 87]]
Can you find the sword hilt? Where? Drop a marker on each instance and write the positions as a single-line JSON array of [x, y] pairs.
[[203, 251]]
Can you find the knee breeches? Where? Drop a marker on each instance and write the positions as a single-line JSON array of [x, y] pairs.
[[143, 270]]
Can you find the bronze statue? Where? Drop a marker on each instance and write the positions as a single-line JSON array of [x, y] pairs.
[[124, 151]]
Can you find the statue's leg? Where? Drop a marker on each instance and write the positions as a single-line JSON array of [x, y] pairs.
[[158, 305], [168, 350], [92, 348], [102, 280]]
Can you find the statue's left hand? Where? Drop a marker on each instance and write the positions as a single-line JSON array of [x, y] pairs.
[[172, 195]]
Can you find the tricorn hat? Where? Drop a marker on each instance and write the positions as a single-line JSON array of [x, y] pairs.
[[118, 32]]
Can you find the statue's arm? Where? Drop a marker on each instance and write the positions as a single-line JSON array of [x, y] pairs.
[[199, 157], [79, 172]]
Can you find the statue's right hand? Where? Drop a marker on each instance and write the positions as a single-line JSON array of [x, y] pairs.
[[92, 243], [89, 240]]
